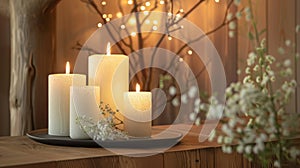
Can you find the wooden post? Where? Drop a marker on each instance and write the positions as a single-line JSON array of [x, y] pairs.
[[32, 55]]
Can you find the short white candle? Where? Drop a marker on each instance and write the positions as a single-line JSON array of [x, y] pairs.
[[111, 73], [84, 101], [59, 100], [137, 113]]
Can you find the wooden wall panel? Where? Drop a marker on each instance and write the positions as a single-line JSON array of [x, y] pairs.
[[297, 64], [281, 27], [4, 68], [244, 44], [226, 160], [75, 22], [182, 159]]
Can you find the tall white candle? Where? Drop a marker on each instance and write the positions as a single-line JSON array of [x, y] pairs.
[[111, 73], [59, 100], [84, 101], [137, 113]]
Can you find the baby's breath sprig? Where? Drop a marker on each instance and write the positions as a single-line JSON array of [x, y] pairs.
[[256, 117], [106, 127]]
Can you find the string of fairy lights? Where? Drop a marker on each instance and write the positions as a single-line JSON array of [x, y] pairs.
[[143, 8]]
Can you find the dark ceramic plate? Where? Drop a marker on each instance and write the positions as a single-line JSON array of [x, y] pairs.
[[166, 139]]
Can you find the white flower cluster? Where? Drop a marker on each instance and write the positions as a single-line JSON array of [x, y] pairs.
[[255, 113], [105, 128]]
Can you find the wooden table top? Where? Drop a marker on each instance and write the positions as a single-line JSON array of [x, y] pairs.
[[21, 150]]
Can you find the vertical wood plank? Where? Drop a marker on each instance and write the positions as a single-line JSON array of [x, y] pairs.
[[297, 63], [182, 159], [145, 162], [4, 67], [75, 22], [224, 160], [244, 44], [281, 27], [207, 157]]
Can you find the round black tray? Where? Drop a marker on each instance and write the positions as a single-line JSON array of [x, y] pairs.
[[166, 139]]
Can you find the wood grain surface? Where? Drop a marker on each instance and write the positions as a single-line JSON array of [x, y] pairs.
[[23, 152]]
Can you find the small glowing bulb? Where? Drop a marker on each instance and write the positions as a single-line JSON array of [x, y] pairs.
[[162, 2], [132, 21], [180, 59], [119, 14], [104, 16], [170, 14], [181, 10], [178, 16], [68, 67], [107, 19], [137, 88], [146, 13], [155, 22], [108, 49], [133, 34], [154, 27], [217, 1], [130, 2], [169, 38], [147, 3], [142, 8], [181, 26], [147, 21], [123, 27], [110, 15], [190, 52], [99, 25], [103, 3]]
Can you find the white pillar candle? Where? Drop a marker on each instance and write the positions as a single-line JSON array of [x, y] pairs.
[[137, 113], [84, 101], [111, 73], [59, 100]]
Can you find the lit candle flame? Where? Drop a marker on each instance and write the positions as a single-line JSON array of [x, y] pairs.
[[108, 49], [68, 67], [137, 87]]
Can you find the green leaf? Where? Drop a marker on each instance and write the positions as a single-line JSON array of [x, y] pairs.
[[250, 35], [262, 32]]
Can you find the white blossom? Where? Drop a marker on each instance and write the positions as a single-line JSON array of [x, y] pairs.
[[192, 91], [287, 63], [297, 28], [288, 42], [229, 16], [232, 25], [197, 122], [172, 90], [220, 139], [231, 34], [281, 50], [184, 98], [277, 163], [238, 15], [237, 2], [248, 149], [227, 149], [251, 58], [175, 102], [294, 152], [240, 149], [197, 102], [193, 116]]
